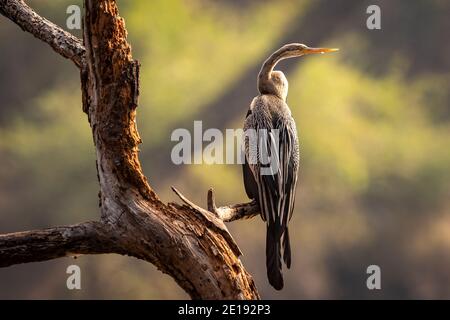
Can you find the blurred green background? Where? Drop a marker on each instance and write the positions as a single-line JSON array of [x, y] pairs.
[[374, 126]]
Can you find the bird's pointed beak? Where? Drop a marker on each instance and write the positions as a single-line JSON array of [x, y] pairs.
[[319, 50]]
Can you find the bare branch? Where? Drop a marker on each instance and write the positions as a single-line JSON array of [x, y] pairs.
[[61, 41], [51, 243], [226, 213], [232, 212]]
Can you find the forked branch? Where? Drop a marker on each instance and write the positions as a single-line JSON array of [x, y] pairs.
[[226, 213]]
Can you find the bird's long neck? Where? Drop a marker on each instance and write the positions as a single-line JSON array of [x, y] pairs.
[[269, 64]]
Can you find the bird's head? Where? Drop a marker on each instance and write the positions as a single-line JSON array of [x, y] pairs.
[[275, 82]]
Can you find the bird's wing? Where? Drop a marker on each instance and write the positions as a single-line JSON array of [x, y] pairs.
[[250, 185], [256, 184], [274, 191], [278, 189], [289, 160]]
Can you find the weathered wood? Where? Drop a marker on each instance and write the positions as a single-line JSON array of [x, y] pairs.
[[232, 212], [189, 243], [61, 41], [39, 245], [226, 213]]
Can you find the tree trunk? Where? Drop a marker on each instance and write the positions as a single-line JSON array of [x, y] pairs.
[[187, 242]]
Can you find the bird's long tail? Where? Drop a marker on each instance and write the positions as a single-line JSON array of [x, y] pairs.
[[273, 257]]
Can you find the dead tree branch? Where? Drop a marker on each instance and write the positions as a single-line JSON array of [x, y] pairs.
[[40, 245], [226, 213], [189, 243], [61, 41]]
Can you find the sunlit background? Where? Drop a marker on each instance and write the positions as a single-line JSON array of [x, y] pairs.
[[374, 127]]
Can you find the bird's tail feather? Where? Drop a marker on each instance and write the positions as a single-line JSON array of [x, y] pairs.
[[273, 258]]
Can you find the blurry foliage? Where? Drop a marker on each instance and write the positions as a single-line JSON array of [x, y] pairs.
[[374, 181], [181, 72], [47, 158], [363, 129]]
